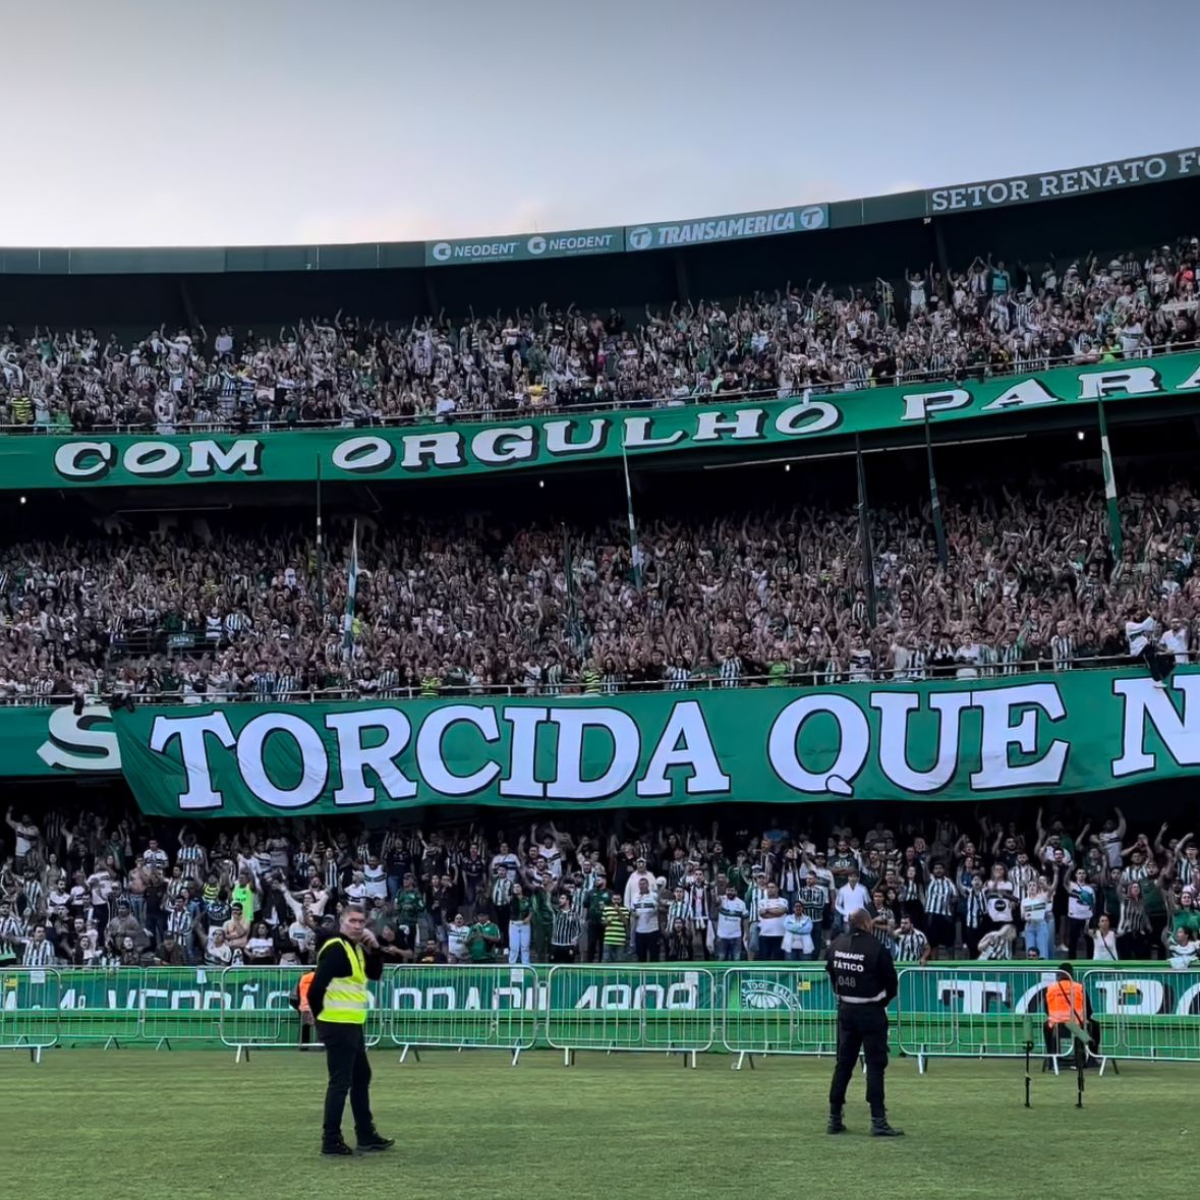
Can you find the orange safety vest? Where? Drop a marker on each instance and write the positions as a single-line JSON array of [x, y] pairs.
[[1064, 1002], [302, 987]]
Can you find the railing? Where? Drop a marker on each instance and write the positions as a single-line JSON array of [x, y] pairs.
[[573, 689], [243, 422], [977, 1010]]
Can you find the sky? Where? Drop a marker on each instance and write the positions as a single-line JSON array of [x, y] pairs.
[[265, 121]]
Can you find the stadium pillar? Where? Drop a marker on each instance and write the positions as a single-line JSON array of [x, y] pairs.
[[189, 309], [939, 250], [431, 295], [682, 283]]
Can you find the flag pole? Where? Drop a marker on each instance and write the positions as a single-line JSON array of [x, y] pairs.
[[935, 500], [864, 530], [1110, 485], [634, 553], [320, 548], [572, 607], [351, 592]]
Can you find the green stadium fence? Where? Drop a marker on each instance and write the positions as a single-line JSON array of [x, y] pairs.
[[463, 1007], [30, 1011], [1145, 1011], [616, 1008]]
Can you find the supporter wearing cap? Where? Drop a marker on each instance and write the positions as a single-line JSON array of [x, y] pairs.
[[641, 873]]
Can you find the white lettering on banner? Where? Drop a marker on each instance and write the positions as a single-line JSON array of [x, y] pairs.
[[917, 739], [854, 739], [485, 250], [723, 230], [813, 416], [521, 782], [626, 997], [432, 759], [568, 782], [152, 460], [84, 460], [1131, 997], [894, 709], [717, 229], [1134, 381], [996, 772], [918, 404], [208, 458], [1028, 394], [505, 998], [442, 450], [66, 731], [1144, 703], [314, 761], [1102, 177], [193, 753], [638, 433], [972, 995], [496, 446], [364, 454], [744, 423], [355, 759], [557, 436], [685, 725]]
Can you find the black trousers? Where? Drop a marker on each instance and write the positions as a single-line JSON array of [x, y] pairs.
[[770, 949], [861, 1027], [349, 1073], [595, 944], [648, 945]]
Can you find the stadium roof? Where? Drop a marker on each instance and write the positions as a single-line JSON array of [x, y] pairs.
[[806, 218]]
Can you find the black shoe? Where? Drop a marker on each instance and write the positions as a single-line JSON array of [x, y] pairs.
[[337, 1149], [836, 1124], [881, 1128], [372, 1141]]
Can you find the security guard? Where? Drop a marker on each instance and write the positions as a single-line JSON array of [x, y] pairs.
[[338, 999], [863, 975]]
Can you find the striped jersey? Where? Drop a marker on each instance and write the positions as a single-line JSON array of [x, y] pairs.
[[815, 899], [909, 947], [940, 896], [566, 927], [37, 954], [976, 908]]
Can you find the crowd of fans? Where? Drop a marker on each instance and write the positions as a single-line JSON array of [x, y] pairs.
[[85, 890], [455, 606], [988, 318]]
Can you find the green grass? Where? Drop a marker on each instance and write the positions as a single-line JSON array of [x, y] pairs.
[[133, 1123]]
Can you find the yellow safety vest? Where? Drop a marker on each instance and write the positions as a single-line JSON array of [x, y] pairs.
[[346, 997]]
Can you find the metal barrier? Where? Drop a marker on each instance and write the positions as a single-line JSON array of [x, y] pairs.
[[463, 1007], [101, 1004], [29, 1010], [255, 1010], [636, 1008], [1146, 1014], [971, 1012], [1144, 1011], [777, 1010]]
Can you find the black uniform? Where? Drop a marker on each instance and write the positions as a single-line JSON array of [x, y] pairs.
[[863, 975]]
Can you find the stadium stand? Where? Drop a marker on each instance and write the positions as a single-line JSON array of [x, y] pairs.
[[756, 582]]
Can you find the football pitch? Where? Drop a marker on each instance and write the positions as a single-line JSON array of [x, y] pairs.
[[132, 1123]]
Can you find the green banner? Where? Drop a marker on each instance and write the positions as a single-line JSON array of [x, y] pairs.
[[41, 741], [1146, 1010], [730, 228], [954, 740], [1055, 185], [427, 452], [524, 247]]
